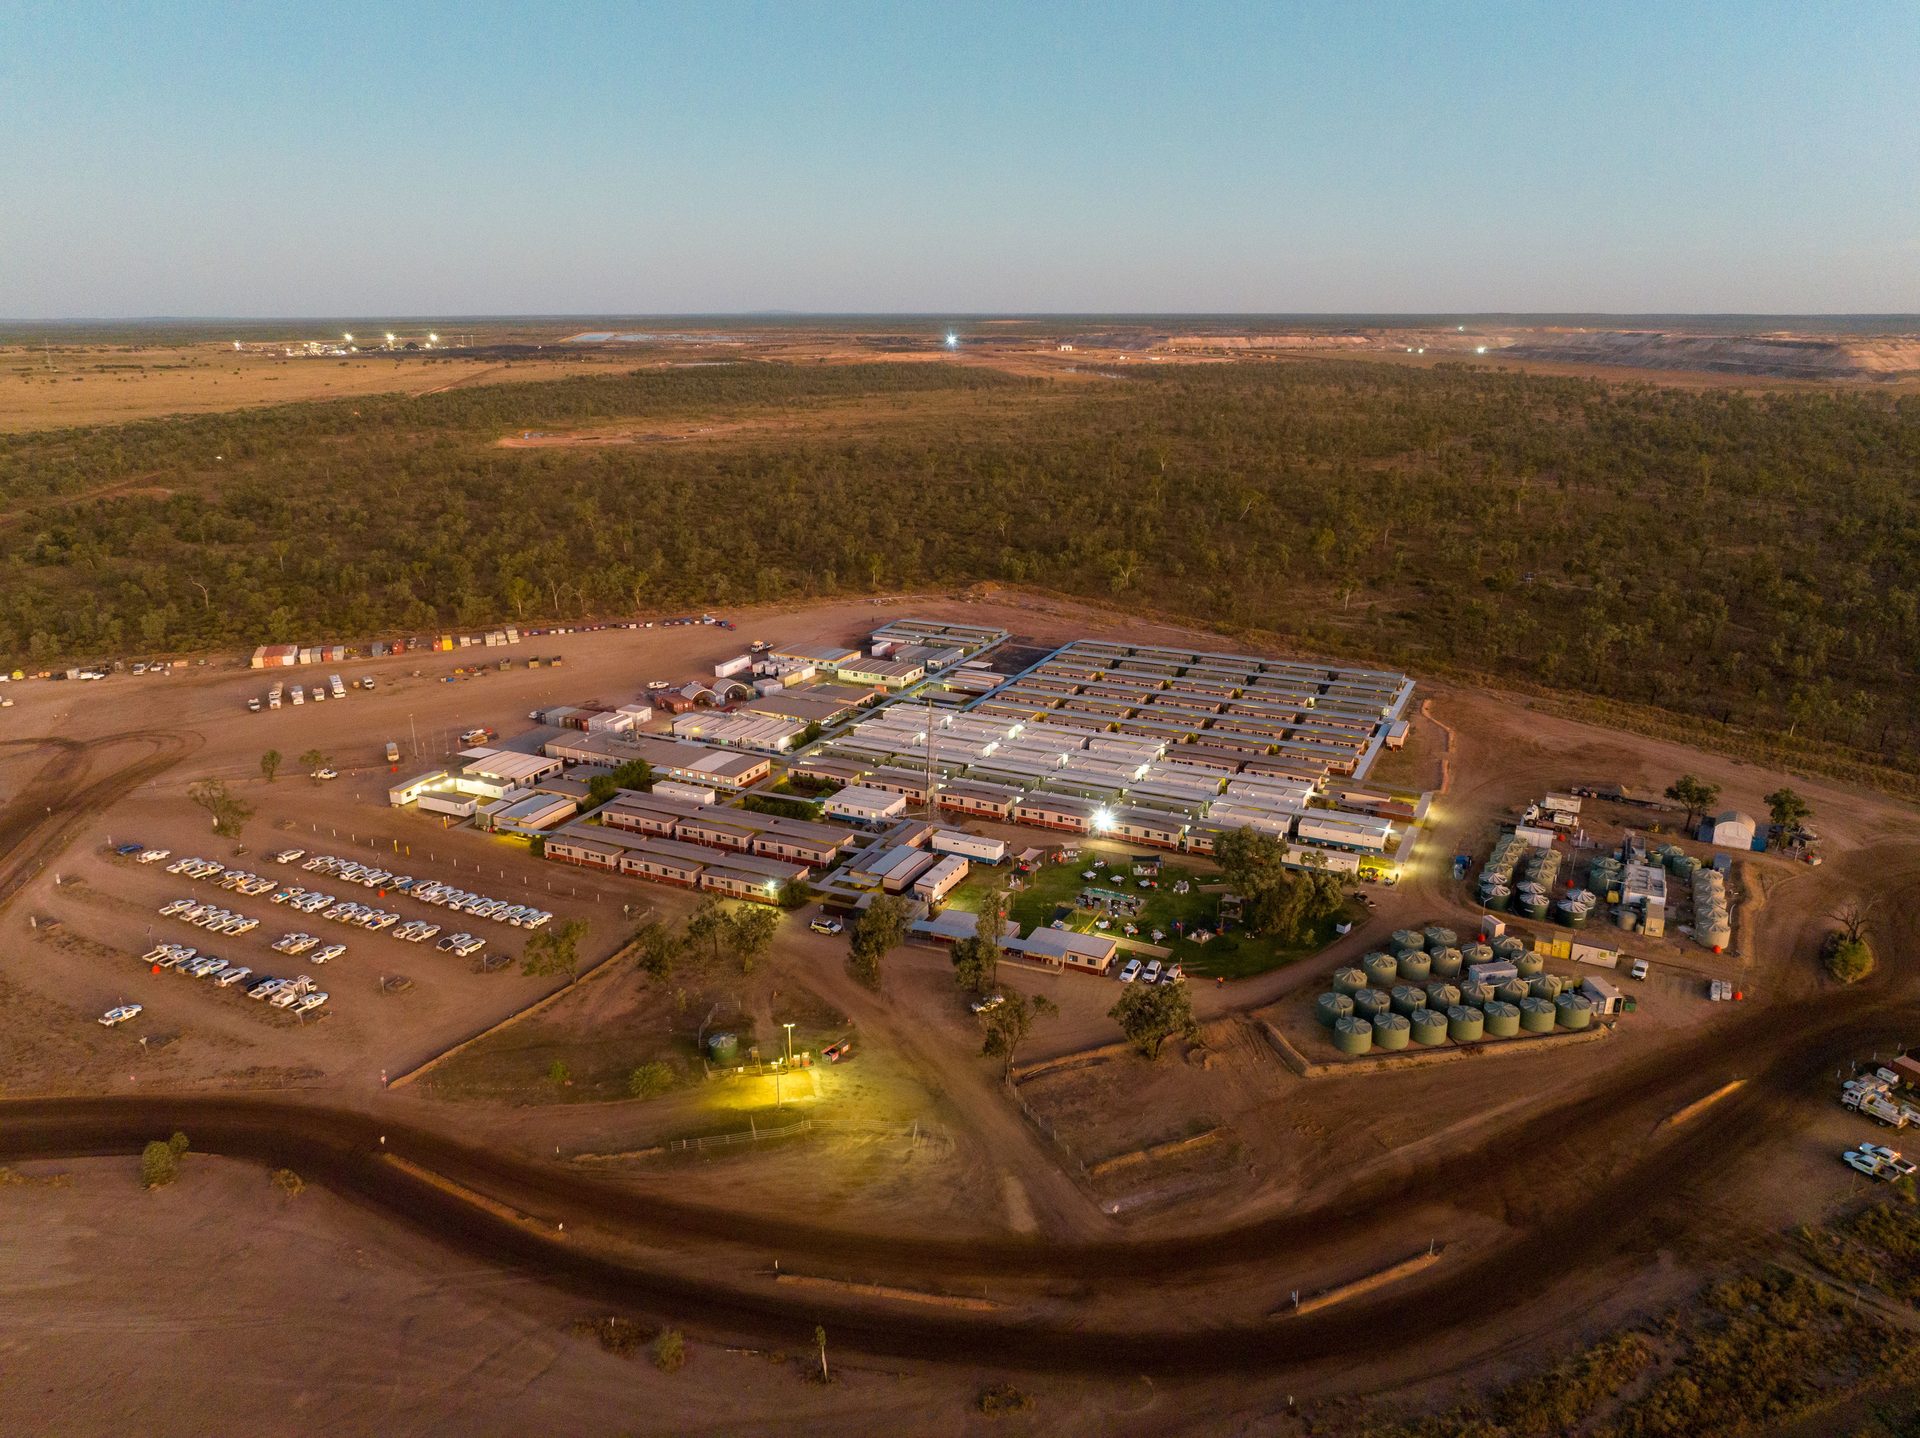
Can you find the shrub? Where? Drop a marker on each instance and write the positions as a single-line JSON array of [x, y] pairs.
[[1848, 960], [670, 1350], [559, 1075], [649, 1079], [288, 1182], [159, 1165], [1002, 1399]]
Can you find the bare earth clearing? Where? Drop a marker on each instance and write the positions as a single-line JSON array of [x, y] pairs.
[[437, 1296]]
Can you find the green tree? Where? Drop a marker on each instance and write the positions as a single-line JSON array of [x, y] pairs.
[[874, 934], [1009, 1023], [290, 1184], [229, 814], [1694, 796], [976, 958], [1277, 901], [558, 1074], [554, 949], [751, 930], [1788, 809], [159, 1166], [270, 764], [1150, 1014], [633, 774], [314, 760], [1847, 960]]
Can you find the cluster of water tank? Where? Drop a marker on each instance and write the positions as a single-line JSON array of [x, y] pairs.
[[1419, 993], [1712, 923], [1520, 877]]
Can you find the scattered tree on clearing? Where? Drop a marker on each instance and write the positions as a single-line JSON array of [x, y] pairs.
[[976, 959], [160, 1162], [634, 774], [1788, 809], [1150, 1014], [655, 948], [874, 933], [718, 928], [1277, 902], [1847, 955], [1693, 796], [558, 1074], [1009, 1023], [270, 764], [229, 814], [313, 761], [288, 1182], [554, 949]]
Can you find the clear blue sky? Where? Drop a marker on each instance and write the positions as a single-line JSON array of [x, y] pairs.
[[489, 158]]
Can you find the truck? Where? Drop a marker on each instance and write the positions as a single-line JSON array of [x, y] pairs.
[[299, 695], [393, 752], [1873, 1101], [339, 689], [273, 696]]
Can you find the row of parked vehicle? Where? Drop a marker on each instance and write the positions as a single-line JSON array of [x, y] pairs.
[[243, 881], [298, 943], [299, 996], [1154, 973], [210, 917], [427, 891]]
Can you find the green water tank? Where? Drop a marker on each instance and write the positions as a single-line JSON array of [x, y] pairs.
[[1381, 970], [723, 1048], [1498, 900], [1476, 954], [1529, 964], [1464, 1025], [1406, 998], [1512, 991], [1536, 1015], [1476, 995], [1441, 938], [1405, 940], [1353, 1036], [1446, 963], [1429, 1026], [1391, 1031], [1331, 1008], [1509, 946], [1502, 1020], [1442, 996], [1368, 1002], [1545, 986], [1349, 981], [1573, 1011], [1416, 968]]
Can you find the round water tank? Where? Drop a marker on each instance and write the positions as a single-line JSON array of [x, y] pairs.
[[1464, 1025], [1391, 1031], [1405, 939], [1446, 963], [1368, 1002], [1572, 1011], [1353, 1036], [1509, 946], [1512, 991], [1529, 964], [1348, 981], [1440, 938], [1536, 1015], [1502, 1020], [1474, 995], [1381, 969], [1429, 1026], [1331, 1008], [1406, 998], [1545, 986], [1442, 995], [1416, 968]]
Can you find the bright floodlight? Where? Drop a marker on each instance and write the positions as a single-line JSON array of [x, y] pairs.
[[953, 341], [433, 339], [1102, 820], [1479, 349], [389, 336], [349, 339]]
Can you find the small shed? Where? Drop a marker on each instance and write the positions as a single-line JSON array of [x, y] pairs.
[[1731, 830]]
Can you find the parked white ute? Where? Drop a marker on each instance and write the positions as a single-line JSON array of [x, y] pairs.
[[119, 1015]]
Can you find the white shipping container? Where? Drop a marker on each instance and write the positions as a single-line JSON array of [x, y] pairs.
[[727, 668], [692, 793]]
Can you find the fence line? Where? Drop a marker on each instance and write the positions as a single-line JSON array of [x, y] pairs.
[[756, 1134]]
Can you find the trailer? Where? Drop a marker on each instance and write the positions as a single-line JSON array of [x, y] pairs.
[[273, 696], [339, 689], [970, 846]]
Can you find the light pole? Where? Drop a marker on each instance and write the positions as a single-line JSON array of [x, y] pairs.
[[789, 1028]]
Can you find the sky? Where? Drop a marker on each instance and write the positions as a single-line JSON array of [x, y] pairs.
[[263, 159]]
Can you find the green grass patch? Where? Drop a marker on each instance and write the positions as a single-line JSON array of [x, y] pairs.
[[1056, 887]]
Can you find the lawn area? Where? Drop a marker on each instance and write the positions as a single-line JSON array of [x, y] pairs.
[[1056, 887]]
